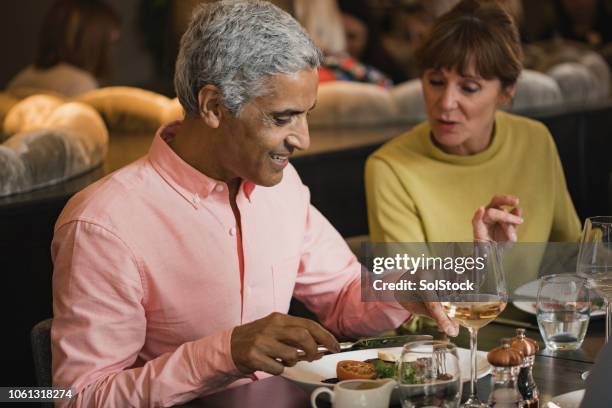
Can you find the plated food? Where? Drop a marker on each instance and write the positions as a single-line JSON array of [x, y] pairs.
[[310, 375], [383, 367], [378, 368]]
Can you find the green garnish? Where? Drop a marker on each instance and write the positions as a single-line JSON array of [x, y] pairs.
[[384, 370], [409, 376]]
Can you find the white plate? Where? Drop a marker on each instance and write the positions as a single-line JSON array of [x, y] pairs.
[[530, 289], [569, 400], [309, 375]]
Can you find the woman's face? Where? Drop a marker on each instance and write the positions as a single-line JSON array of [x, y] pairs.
[[461, 109]]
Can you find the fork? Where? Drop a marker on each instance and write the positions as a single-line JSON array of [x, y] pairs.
[[438, 358], [374, 342]]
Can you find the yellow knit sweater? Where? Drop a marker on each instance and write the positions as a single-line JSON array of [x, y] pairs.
[[418, 193]]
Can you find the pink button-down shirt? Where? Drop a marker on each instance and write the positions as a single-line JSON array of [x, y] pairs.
[[151, 276]]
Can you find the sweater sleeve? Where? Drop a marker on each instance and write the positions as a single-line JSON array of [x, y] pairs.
[[392, 214], [99, 330], [566, 225]]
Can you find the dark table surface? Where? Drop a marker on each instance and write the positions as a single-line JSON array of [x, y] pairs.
[[554, 372]]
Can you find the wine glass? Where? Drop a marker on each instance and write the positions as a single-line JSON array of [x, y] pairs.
[[595, 260], [475, 307], [429, 375]]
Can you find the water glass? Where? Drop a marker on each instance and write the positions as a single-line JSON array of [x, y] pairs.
[[563, 311], [429, 375]]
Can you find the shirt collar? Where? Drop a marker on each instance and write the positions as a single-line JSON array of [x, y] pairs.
[[190, 183]]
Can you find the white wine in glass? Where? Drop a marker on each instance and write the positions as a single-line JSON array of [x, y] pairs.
[[476, 311], [475, 308]]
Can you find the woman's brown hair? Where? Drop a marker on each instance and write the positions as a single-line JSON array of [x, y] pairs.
[[77, 32], [474, 34]]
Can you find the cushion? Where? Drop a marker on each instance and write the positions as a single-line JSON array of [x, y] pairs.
[[408, 96], [6, 103], [69, 141], [601, 71], [535, 89], [30, 113], [127, 109], [343, 103], [577, 82], [173, 111]]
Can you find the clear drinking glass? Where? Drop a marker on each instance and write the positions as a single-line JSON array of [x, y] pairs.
[[595, 260], [476, 307], [563, 311], [429, 375]]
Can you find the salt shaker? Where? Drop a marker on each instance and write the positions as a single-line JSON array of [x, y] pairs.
[[526, 383], [506, 362]]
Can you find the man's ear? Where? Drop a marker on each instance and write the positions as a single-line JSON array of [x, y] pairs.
[[210, 104]]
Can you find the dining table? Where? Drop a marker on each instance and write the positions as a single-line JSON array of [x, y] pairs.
[[555, 372]]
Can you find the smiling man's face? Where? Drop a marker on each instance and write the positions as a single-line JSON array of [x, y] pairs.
[[259, 142]]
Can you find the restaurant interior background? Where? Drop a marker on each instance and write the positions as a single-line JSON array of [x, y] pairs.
[[578, 113]]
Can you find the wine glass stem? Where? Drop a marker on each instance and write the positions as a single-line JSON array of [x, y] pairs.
[[608, 318], [473, 344]]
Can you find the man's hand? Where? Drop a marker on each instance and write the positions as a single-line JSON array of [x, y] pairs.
[[256, 346], [499, 220], [436, 312]]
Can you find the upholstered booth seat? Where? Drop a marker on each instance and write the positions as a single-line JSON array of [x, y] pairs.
[[173, 111], [577, 82], [343, 103], [30, 114], [127, 109], [64, 142], [535, 90], [408, 97], [6, 103], [600, 70]]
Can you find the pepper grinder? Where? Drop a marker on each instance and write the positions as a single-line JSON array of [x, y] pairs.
[[506, 362], [526, 383]]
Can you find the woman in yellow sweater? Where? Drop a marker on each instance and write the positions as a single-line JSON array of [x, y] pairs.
[[424, 185]]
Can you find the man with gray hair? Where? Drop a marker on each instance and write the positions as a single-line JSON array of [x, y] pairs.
[[173, 275]]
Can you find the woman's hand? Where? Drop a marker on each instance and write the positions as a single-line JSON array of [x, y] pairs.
[[499, 220]]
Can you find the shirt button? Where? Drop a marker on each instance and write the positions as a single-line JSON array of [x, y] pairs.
[[219, 188], [196, 199], [248, 290], [232, 231]]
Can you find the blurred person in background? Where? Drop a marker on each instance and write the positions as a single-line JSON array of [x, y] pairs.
[[586, 21], [363, 40], [468, 151], [323, 22], [73, 49], [574, 24], [409, 23]]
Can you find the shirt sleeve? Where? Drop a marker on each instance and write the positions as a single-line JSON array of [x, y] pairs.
[[392, 215], [99, 329], [329, 283]]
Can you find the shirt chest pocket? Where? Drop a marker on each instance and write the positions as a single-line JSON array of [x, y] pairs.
[[284, 273]]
